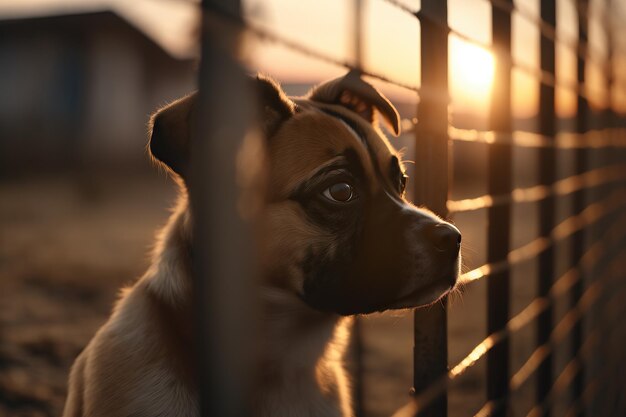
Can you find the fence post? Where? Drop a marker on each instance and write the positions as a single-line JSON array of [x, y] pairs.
[[578, 198], [607, 157], [430, 352], [221, 239], [498, 233], [547, 176], [358, 386]]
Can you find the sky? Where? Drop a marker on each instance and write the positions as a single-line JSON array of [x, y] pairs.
[[391, 47], [390, 43]]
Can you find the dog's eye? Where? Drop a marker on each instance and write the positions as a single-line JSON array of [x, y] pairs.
[[403, 180], [341, 192]]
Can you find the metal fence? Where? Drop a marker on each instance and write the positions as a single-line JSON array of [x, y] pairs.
[[592, 230]]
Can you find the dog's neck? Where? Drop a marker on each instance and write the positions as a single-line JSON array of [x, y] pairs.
[[300, 349], [302, 352]]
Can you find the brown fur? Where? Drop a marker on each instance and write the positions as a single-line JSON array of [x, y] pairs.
[[139, 362]]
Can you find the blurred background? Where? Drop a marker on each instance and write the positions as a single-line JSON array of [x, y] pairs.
[[80, 201]]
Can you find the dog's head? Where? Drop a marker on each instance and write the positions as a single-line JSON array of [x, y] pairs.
[[338, 231]]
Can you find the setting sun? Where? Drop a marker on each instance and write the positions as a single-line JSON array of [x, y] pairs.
[[471, 73]]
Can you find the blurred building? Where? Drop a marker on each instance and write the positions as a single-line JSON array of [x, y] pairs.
[[76, 90]]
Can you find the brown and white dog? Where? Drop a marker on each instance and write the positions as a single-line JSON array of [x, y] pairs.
[[340, 240]]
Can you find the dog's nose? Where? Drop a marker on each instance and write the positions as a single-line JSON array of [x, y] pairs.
[[446, 238]]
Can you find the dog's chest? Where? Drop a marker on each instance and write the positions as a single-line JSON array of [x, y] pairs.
[[305, 376], [298, 399]]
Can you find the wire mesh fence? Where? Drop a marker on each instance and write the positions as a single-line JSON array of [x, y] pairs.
[[572, 332], [591, 229], [591, 282]]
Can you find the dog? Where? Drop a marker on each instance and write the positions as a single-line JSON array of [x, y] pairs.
[[340, 240]]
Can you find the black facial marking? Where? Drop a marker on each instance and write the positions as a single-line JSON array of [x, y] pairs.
[[398, 177], [334, 216], [373, 246], [362, 135], [369, 263]]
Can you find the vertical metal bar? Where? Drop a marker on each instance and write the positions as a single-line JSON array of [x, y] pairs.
[[221, 239], [602, 354], [578, 198], [358, 33], [499, 217], [430, 352], [547, 175], [610, 117], [358, 388]]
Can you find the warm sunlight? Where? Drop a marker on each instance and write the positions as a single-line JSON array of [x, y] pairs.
[[471, 74]]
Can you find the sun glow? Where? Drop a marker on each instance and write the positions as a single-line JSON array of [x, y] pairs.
[[471, 74]]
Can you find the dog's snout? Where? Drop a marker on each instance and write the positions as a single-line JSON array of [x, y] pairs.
[[446, 238]]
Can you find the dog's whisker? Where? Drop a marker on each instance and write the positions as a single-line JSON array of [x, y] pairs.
[[456, 295]]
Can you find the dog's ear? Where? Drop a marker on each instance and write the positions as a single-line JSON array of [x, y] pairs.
[[170, 129], [359, 96], [171, 126], [275, 106]]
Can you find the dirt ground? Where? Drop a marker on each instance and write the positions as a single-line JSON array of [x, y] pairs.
[[66, 248], [68, 244]]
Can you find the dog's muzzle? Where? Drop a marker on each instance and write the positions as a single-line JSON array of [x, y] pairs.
[[438, 268]]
